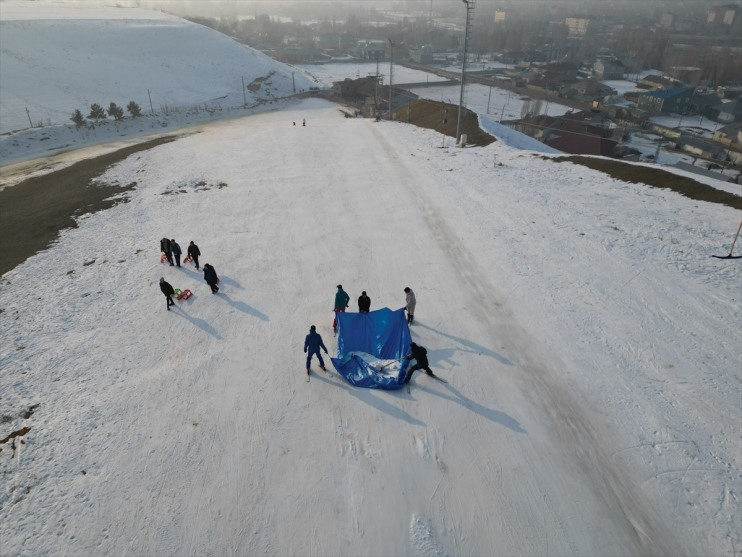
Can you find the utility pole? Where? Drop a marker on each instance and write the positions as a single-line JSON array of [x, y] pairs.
[[467, 30], [391, 62], [244, 95], [28, 113], [152, 110]]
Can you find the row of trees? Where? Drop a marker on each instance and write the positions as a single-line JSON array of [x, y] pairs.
[[97, 113]]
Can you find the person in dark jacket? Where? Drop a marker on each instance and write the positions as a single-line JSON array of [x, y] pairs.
[[166, 249], [176, 251], [364, 303], [194, 252], [341, 302], [168, 290], [211, 278], [420, 355], [312, 345]]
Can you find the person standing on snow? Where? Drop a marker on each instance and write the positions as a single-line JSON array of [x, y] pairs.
[[165, 248], [364, 303], [194, 252], [168, 290], [312, 345], [176, 251], [211, 278], [410, 303], [341, 302], [420, 355]]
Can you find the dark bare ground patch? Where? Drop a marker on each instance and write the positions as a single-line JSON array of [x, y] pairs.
[[430, 114], [658, 178], [33, 212]]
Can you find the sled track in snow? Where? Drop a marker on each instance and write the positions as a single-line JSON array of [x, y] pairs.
[[583, 435]]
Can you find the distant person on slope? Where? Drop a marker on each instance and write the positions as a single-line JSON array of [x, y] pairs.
[[410, 303], [420, 355], [211, 278], [165, 248], [175, 247], [312, 345], [168, 290], [341, 302], [364, 303], [194, 252]]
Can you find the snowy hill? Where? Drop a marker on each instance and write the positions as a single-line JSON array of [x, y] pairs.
[[591, 343], [163, 63]]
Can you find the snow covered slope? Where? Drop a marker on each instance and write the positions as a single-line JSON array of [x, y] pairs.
[[591, 343], [161, 62]]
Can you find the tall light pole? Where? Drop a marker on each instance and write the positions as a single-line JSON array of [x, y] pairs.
[[467, 29], [391, 61]]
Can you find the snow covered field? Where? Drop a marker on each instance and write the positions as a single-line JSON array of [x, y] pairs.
[[591, 343]]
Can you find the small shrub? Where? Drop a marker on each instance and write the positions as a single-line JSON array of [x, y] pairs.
[[97, 112], [115, 111], [78, 118], [134, 109]]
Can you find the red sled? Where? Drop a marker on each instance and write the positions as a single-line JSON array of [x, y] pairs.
[[188, 259], [185, 294], [163, 258]]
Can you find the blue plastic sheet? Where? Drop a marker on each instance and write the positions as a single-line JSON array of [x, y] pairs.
[[371, 348]]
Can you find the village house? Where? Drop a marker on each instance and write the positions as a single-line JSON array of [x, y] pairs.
[[609, 69], [727, 112], [675, 100]]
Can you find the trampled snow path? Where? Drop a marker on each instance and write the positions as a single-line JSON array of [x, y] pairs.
[[590, 342]]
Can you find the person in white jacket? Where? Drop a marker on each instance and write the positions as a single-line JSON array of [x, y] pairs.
[[410, 304]]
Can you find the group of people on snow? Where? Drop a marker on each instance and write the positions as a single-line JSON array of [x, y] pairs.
[[313, 342], [342, 299], [171, 249]]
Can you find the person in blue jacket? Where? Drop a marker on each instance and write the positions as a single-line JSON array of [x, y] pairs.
[[312, 345], [175, 248]]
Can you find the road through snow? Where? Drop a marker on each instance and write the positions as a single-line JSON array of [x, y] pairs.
[[193, 431]]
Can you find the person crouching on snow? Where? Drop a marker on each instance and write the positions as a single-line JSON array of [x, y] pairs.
[[420, 355]]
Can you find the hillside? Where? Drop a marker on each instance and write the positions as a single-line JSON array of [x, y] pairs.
[[163, 63], [590, 341]]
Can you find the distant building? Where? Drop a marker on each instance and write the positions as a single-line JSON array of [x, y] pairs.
[[723, 15], [704, 102], [656, 82], [422, 55], [584, 133], [667, 20], [372, 50], [501, 15], [675, 100], [728, 112], [609, 69], [686, 74], [577, 26]]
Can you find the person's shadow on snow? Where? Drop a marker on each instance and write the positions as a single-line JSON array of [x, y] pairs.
[[243, 307], [369, 397], [467, 346], [223, 279], [494, 415], [197, 321]]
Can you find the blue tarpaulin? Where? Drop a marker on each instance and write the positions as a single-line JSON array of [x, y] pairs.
[[371, 348]]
